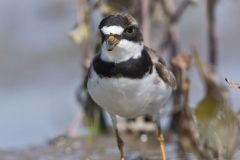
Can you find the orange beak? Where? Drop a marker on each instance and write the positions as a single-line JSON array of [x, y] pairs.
[[111, 41]]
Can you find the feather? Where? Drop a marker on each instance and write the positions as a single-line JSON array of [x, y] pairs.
[[162, 69]]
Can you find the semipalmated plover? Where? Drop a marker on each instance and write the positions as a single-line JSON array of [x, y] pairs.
[[126, 78]]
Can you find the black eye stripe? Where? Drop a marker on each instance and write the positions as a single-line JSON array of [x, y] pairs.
[[135, 36], [132, 28], [129, 30]]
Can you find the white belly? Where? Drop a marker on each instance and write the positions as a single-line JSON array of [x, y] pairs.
[[129, 97]]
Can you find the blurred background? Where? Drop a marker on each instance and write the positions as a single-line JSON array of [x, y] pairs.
[[40, 67], [40, 70]]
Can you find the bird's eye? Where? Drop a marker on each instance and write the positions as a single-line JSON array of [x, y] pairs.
[[129, 30]]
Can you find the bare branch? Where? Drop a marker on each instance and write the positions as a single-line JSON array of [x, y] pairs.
[[209, 77], [180, 10], [212, 33], [174, 15], [145, 4], [81, 11], [167, 6], [183, 62]]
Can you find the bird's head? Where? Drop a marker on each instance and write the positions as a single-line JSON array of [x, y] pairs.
[[120, 35]]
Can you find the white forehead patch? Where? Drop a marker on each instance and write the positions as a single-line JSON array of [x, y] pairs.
[[112, 29]]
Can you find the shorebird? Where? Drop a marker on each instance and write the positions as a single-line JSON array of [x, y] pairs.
[[126, 78]]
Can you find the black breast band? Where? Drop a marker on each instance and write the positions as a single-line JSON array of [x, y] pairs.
[[132, 68]]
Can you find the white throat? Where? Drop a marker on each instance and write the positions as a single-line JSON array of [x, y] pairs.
[[123, 51]]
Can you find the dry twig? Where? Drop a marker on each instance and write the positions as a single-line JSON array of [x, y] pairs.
[[145, 5], [171, 38], [173, 14], [212, 33], [183, 63], [233, 84]]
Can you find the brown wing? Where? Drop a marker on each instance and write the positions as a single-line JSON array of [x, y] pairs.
[[162, 69]]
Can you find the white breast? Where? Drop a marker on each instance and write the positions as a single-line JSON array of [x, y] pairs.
[[129, 97]]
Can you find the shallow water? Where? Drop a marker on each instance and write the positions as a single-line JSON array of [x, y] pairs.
[[40, 68]]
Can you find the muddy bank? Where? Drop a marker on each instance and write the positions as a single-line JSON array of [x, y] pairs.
[[95, 148]]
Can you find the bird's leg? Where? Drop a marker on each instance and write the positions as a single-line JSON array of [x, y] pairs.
[[120, 142], [160, 136], [162, 144]]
